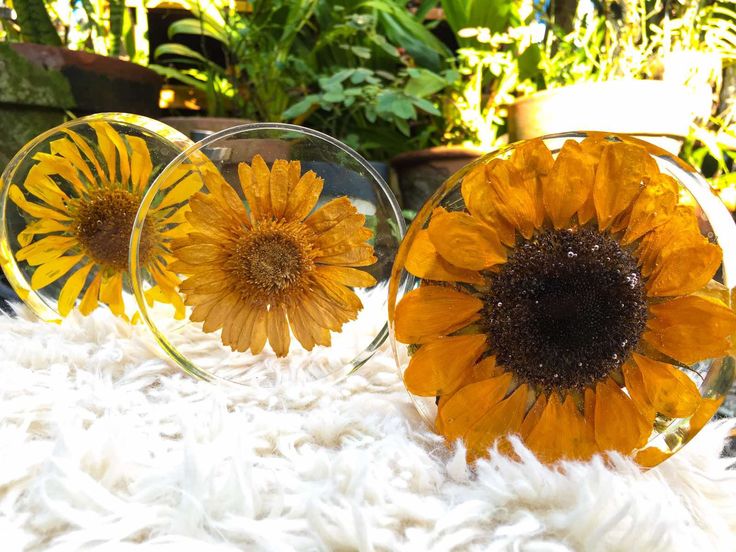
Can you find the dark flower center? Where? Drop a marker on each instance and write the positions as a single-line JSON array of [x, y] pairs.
[[103, 223], [566, 309], [272, 260]]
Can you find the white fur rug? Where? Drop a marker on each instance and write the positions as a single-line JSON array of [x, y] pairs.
[[106, 446]]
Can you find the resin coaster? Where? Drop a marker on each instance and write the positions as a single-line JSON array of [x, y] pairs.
[[282, 243], [68, 201], [575, 290]]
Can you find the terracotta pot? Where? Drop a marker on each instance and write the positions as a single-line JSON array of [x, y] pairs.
[[421, 172], [658, 111], [40, 84]]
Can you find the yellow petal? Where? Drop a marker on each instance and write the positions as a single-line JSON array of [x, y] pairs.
[[562, 432], [201, 254], [501, 419], [41, 226], [141, 165], [111, 293], [17, 197], [122, 153], [691, 328], [82, 144], [438, 367], [224, 308], [278, 329], [183, 191], [470, 403], [72, 288], [301, 326], [89, 299], [465, 242], [346, 276], [56, 165], [569, 185], [618, 424], [45, 189], [52, 270], [260, 331], [480, 201], [65, 148], [623, 171], [669, 391], [653, 207], [107, 148], [46, 249], [430, 312], [424, 261]]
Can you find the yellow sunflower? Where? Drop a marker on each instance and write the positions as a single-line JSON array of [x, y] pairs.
[[256, 274], [87, 192], [564, 303]]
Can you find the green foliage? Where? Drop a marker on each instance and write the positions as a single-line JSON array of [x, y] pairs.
[[35, 23]]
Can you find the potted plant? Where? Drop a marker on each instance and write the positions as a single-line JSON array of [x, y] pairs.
[[42, 80], [623, 70]]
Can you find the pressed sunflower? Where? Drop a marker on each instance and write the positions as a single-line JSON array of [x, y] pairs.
[[77, 229], [563, 303], [277, 268]]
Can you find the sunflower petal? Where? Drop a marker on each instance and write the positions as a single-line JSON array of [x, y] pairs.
[[534, 162], [111, 293], [260, 331], [470, 403], [637, 391], [502, 418], [279, 188], [479, 199], [52, 270], [45, 189], [184, 190], [569, 185], [670, 391], [654, 206], [89, 299], [107, 148], [343, 231], [511, 198], [219, 313], [533, 416], [465, 242], [424, 261], [17, 197], [278, 329], [691, 328], [356, 255], [261, 188], [330, 214], [82, 144], [438, 367], [618, 424], [685, 269], [41, 226], [122, 153], [622, 172], [304, 195], [72, 288], [46, 249], [429, 312], [562, 432], [680, 230], [65, 148]]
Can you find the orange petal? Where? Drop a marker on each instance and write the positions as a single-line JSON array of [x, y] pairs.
[[562, 432], [430, 312], [618, 424], [653, 207], [278, 329], [705, 411], [534, 162], [532, 418], [262, 187], [637, 391], [347, 230], [651, 456], [470, 403], [511, 198], [465, 242], [438, 367], [485, 369], [346, 276], [240, 336], [670, 391], [619, 178], [354, 255], [424, 261], [500, 420], [569, 185], [234, 323], [479, 199], [679, 230], [330, 214], [221, 311], [691, 328], [260, 331], [279, 189], [304, 195]]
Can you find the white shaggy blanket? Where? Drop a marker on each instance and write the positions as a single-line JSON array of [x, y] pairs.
[[105, 446]]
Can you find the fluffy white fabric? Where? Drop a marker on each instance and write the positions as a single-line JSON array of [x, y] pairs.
[[106, 446]]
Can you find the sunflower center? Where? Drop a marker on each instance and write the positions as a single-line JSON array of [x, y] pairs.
[[272, 260], [566, 309], [103, 224]]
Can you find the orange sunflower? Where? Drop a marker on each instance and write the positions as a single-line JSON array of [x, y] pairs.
[[76, 236], [274, 269], [564, 303]]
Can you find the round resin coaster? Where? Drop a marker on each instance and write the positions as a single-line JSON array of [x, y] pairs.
[[575, 290], [68, 202], [280, 251]]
